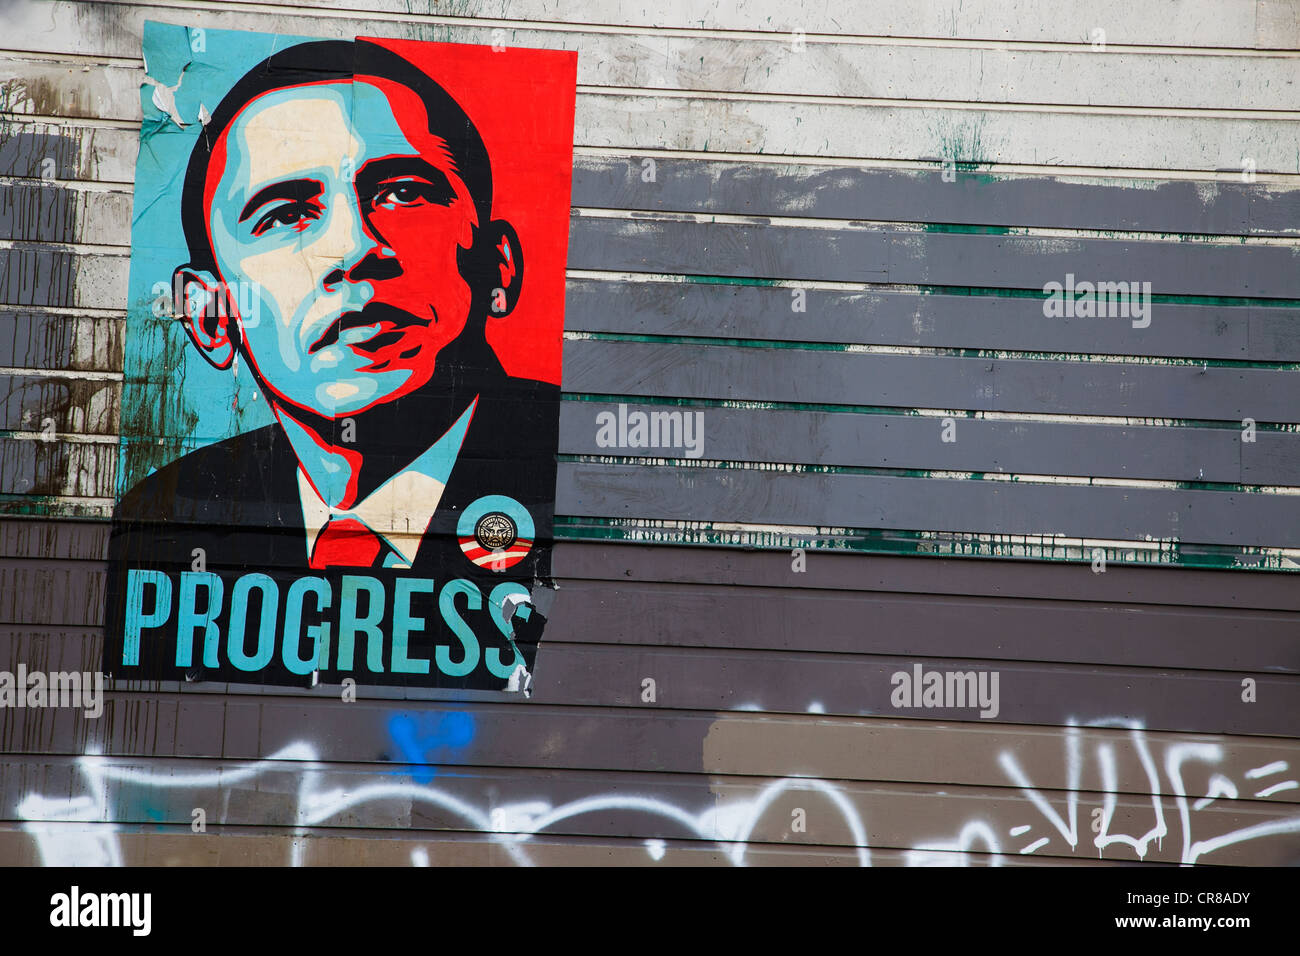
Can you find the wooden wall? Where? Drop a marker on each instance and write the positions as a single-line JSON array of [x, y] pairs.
[[911, 174]]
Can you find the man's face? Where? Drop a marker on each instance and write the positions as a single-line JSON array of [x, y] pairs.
[[345, 222]]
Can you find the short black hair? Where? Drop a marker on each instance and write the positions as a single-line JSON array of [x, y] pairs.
[[324, 61]]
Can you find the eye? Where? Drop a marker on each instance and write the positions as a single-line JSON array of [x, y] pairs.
[[405, 193], [295, 215]]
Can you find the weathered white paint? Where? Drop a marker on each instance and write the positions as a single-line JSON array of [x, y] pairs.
[[992, 72], [1262, 23], [728, 823], [108, 150], [838, 94]]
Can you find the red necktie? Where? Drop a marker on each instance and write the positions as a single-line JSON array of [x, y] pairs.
[[345, 543]]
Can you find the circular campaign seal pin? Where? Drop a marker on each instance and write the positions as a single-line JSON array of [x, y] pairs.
[[495, 532]]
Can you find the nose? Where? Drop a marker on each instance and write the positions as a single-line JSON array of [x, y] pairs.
[[357, 253]]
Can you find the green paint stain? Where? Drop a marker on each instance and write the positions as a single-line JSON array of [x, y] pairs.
[[993, 354], [158, 415], [727, 280], [908, 543], [1120, 421], [1157, 297], [962, 143], [964, 228]]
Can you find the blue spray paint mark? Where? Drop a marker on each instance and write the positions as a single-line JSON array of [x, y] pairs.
[[424, 739]]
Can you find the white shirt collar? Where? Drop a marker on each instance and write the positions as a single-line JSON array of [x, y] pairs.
[[400, 509]]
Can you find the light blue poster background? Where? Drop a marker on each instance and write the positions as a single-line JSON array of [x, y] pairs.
[[173, 401]]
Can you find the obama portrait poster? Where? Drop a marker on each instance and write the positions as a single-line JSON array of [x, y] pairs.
[[340, 413]]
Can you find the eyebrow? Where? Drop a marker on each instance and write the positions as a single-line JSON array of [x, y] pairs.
[[296, 189]]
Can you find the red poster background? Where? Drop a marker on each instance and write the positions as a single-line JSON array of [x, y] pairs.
[[522, 103]]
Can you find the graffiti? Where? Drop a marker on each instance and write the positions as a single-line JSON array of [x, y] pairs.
[[511, 824], [1066, 827], [421, 740], [940, 853], [82, 830]]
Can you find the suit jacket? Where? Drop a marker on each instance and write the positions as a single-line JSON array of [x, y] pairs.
[[238, 501]]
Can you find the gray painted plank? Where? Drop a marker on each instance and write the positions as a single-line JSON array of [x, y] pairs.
[[936, 575], [806, 437], [43, 340], [933, 320], [39, 211], [61, 540], [663, 805], [528, 734], [75, 152], [792, 618], [154, 845], [42, 546], [869, 254], [51, 590], [973, 198], [33, 467], [86, 406], [1272, 453], [32, 275], [951, 505], [750, 312], [43, 210], [860, 684], [1200, 701], [930, 381], [850, 500], [40, 275], [980, 445], [992, 322], [48, 210]]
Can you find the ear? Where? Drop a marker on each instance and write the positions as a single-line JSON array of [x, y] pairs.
[[208, 313], [503, 267]]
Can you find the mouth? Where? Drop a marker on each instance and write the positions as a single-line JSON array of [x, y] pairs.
[[386, 324]]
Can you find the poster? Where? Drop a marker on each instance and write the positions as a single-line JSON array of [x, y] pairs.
[[343, 362]]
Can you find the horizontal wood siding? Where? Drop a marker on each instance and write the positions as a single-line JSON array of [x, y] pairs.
[[826, 230]]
